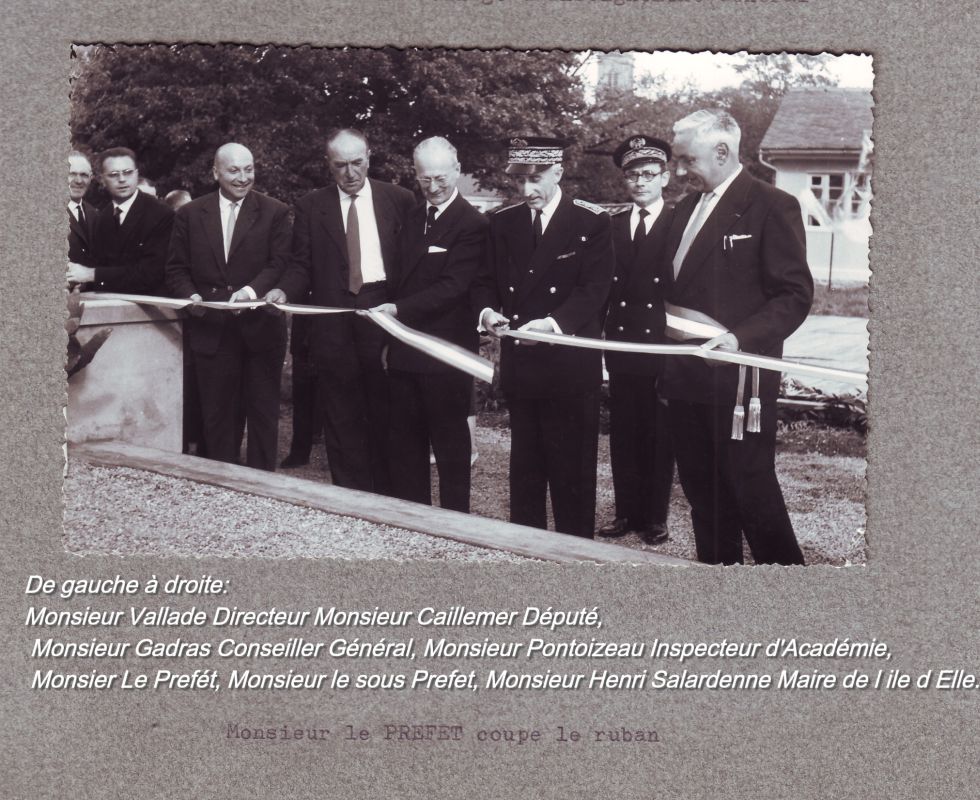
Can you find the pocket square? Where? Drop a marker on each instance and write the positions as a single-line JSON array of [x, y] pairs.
[[565, 255], [434, 248], [729, 241]]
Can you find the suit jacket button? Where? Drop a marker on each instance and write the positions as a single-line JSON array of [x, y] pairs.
[[620, 328], [622, 304], [228, 288], [510, 288], [649, 305], [647, 330], [530, 272], [514, 317], [615, 278], [656, 280], [552, 289]]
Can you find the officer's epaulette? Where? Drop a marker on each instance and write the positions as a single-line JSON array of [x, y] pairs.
[[498, 209], [625, 210], [590, 206]]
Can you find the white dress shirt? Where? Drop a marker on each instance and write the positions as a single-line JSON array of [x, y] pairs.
[[223, 205], [76, 210], [653, 211], [372, 263], [124, 206], [716, 194], [441, 206]]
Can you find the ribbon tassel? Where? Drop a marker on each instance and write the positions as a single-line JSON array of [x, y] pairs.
[[755, 405], [738, 415]]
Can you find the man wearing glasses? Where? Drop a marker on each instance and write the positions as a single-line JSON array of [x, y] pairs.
[[641, 456], [130, 236], [440, 250]]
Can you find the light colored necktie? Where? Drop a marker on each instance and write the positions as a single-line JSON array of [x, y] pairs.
[[692, 231], [355, 278], [230, 228]]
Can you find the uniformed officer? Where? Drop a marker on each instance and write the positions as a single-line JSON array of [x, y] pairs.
[[548, 268], [639, 440]]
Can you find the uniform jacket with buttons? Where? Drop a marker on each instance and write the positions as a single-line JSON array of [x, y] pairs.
[[636, 307], [567, 277], [131, 258], [431, 279], [258, 255], [747, 269]]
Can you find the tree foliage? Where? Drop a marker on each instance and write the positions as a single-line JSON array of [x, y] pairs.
[[175, 105]]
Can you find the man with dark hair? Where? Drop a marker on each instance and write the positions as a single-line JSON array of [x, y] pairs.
[[441, 248], [81, 213], [639, 439], [739, 280], [233, 245], [345, 239], [130, 235], [548, 269]]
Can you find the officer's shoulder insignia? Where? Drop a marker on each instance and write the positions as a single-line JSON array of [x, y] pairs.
[[621, 211], [589, 206], [499, 209]]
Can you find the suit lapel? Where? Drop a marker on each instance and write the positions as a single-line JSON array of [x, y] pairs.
[[386, 218], [555, 239], [415, 242], [211, 217], [332, 219], [722, 217], [247, 215]]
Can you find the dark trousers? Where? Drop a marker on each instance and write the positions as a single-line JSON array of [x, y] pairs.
[[641, 453], [554, 448], [731, 486], [240, 382], [430, 408], [306, 410], [353, 395]]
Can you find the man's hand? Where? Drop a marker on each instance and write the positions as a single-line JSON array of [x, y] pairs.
[[79, 274], [536, 325], [196, 311], [387, 308], [726, 341], [241, 296], [277, 296], [493, 323]]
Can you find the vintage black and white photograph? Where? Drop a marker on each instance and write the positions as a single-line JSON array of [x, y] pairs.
[[468, 305]]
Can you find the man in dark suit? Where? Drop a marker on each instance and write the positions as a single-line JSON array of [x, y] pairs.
[[81, 213], [233, 245], [130, 236], [739, 264], [639, 438], [345, 238], [548, 268], [441, 248]]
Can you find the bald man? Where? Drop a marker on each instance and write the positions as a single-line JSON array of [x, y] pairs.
[[233, 244]]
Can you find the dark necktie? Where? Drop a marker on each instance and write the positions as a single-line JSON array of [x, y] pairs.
[[538, 229], [81, 214], [355, 279], [117, 216], [430, 219], [641, 229]]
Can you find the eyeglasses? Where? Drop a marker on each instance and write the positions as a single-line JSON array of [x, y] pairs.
[[438, 180], [125, 173], [634, 176]]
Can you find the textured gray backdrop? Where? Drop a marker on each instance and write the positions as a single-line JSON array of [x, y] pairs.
[[919, 591]]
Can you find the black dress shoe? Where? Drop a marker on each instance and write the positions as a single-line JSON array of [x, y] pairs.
[[618, 527], [654, 533], [293, 460]]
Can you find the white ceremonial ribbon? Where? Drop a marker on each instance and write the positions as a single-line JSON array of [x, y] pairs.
[[437, 348]]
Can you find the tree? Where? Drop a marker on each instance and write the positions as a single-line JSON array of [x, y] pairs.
[[175, 105]]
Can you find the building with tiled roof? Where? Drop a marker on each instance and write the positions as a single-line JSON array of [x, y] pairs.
[[819, 144]]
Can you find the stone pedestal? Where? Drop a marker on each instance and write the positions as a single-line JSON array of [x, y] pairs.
[[132, 391]]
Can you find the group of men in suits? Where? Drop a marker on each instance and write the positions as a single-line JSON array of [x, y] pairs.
[[730, 259]]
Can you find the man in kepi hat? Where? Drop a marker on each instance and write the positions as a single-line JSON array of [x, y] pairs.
[[548, 268], [639, 439]]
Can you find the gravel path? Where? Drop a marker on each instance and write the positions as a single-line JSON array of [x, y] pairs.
[[127, 512]]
